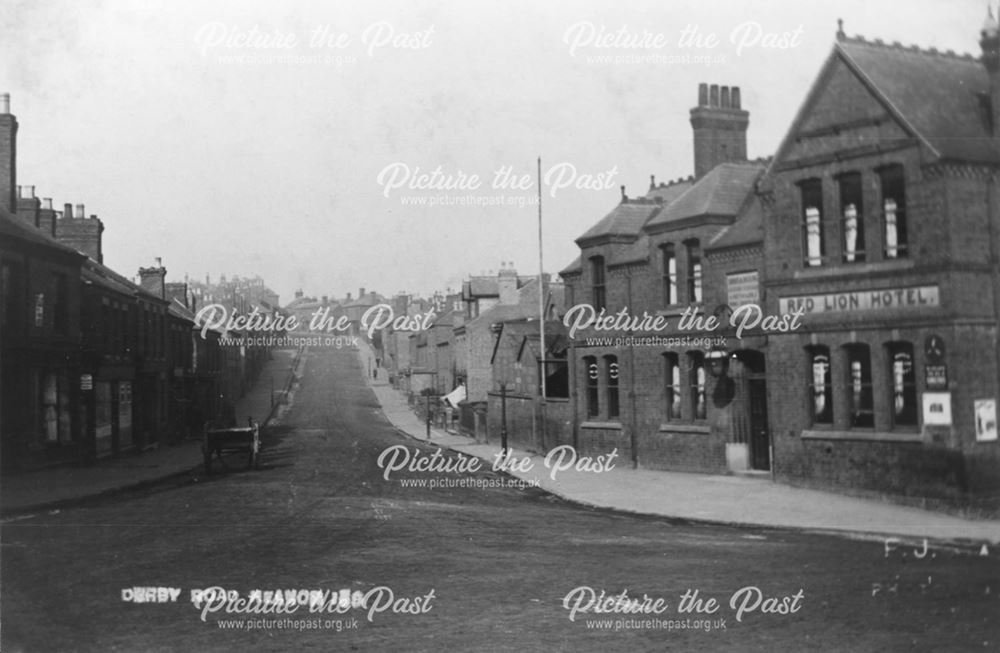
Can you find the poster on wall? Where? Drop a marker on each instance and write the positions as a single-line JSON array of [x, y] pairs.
[[986, 420], [937, 408]]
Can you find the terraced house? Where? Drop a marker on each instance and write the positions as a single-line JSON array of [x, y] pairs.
[[877, 224]]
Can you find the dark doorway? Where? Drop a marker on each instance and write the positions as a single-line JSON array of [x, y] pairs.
[[755, 388]]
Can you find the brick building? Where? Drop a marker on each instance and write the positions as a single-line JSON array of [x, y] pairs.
[[875, 224], [881, 224]]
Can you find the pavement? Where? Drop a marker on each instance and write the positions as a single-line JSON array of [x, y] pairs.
[[723, 499], [57, 486], [711, 498]]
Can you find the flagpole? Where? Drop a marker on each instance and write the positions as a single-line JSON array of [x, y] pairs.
[[541, 284]]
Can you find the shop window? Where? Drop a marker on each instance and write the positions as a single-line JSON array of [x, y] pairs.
[[859, 383], [696, 381], [597, 278], [811, 192], [904, 384], [611, 369], [672, 387], [852, 217], [593, 375], [694, 270], [894, 211], [669, 256], [820, 387]]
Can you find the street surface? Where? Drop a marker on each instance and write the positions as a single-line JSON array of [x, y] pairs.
[[483, 567]]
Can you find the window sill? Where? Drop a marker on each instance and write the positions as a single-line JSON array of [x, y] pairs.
[[683, 427], [868, 436], [602, 425], [832, 269]]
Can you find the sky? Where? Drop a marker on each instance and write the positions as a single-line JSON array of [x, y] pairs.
[[330, 146]]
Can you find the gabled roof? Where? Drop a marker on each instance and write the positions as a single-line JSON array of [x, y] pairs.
[[722, 191], [626, 220], [937, 94], [747, 230], [574, 267], [938, 97]]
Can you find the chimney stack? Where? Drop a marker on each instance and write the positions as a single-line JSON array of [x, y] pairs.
[[507, 285], [152, 280], [28, 205], [8, 156], [81, 233], [720, 127], [47, 218]]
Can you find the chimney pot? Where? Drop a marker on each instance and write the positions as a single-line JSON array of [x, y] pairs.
[[159, 261], [5, 103], [652, 182], [624, 196], [67, 210], [702, 95], [713, 95], [80, 213], [735, 97], [724, 100], [47, 203]]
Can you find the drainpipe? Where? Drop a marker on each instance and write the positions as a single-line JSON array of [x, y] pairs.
[[633, 438]]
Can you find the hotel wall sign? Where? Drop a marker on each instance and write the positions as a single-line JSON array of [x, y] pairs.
[[913, 297]]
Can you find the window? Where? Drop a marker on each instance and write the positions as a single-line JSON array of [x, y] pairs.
[[598, 282], [12, 314], [859, 384], [556, 379], [669, 274], [853, 217], [672, 386], [593, 374], [820, 388], [812, 220], [904, 384], [894, 211], [696, 380], [611, 369], [694, 271]]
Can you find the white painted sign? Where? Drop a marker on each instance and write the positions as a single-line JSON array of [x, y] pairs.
[[986, 420], [937, 408], [742, 288], [864, 300]]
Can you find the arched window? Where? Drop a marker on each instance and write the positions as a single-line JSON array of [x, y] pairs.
[[611, 370], [903, 380], [669, 271], [852, 215], [696, 381], [820, 388], [671, 387], [593, 374], [859, 385], [597, 281], [811, 192], [894, 211]]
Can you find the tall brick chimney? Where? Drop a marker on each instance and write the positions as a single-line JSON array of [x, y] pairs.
[[8, 156], [28, 205], [989, 41], [507, 284], [178, 290], [152, 279], [720, 127], [81, 233], [47, 217]]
